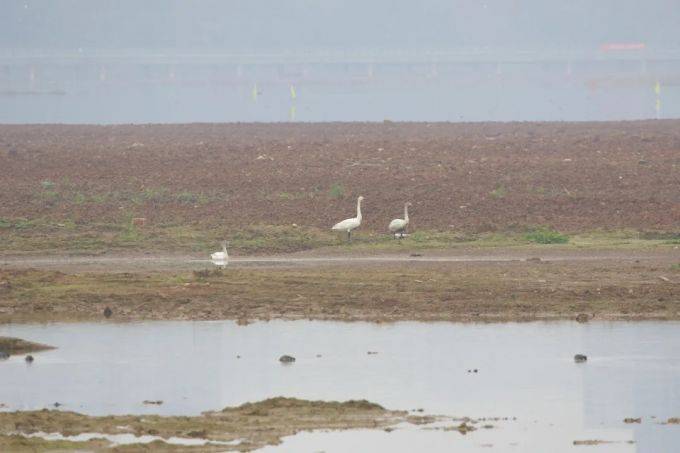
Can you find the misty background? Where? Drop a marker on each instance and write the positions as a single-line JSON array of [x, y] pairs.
[[109, 61], [294, 25]]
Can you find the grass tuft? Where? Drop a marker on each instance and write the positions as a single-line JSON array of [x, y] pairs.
[[544, 235]]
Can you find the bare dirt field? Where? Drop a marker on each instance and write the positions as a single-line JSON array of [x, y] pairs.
[[465, 177]]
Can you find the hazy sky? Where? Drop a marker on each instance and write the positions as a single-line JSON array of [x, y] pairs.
[[297, 25]]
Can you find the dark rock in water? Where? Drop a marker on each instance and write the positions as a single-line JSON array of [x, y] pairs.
[[57, 404], [286, 359], [153, 402], [107, 312], [4, 355], [582, 317], [580, 358], [29, 358], [632, 420], [475, 370]]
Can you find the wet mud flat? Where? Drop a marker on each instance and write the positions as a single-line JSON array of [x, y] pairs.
[[243, 428], [618, 287]]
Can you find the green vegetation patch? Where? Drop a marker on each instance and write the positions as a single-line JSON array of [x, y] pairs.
[[544, 235]]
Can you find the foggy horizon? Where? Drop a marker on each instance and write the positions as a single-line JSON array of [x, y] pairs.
[[303, 25]]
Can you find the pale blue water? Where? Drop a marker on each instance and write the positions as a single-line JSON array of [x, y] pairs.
[[525, 371]]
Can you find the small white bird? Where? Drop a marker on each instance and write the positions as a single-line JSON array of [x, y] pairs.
[[220, 256], [349, 224], [398, 226]]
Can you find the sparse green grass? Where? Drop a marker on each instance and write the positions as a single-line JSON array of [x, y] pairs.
[[336, 191], [499, 192], [545, 235], [675, 267], [65, 235]]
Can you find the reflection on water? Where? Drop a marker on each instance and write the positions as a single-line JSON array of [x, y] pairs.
[[484, 99], [525, 371]]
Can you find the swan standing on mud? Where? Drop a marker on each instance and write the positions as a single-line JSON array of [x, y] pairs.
[[220, 256], [349, 224], [398, 226]]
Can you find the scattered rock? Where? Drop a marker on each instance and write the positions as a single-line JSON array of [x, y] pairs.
[[107, 312], [4, 355], [632, 420], [286, 359], [591, 442], [153, 402], [371, 352], [464, 428], [238, 356], [582, 317], [318, 355], [580, 358], [29, 359], [57, 404]]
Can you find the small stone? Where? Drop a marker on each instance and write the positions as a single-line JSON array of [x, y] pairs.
[[582, 317], [632, 420], [580, 358], [57, 404], [107, 312], [29, 359], [475, 370], [371, 352], [286, 359], [153, 402]]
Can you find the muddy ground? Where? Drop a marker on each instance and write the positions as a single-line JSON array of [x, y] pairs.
[[467, 177], [18, 346], [249, 426], [510, 285]]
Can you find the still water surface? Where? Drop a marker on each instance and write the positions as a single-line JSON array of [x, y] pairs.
[[524, 371]]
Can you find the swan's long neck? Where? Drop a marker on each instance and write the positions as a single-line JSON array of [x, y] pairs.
[[406, 213], [359, 210], [224, 248]]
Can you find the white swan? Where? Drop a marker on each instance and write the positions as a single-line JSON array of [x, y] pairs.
[[349, 224], [220, 256], [399, 225]]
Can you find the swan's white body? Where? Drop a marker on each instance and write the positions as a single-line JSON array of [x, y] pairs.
[[399, 225], [348, 225], [220, 256]]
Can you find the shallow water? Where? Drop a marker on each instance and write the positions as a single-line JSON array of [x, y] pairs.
[[528, 97], [524, 371]]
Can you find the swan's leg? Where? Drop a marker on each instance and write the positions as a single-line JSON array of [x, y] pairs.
[[349, 235]]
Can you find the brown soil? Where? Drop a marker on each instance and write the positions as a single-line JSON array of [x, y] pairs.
[[624, 288], [18, 346], [475, 177], [281, 417]]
